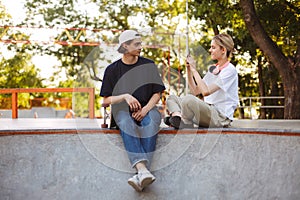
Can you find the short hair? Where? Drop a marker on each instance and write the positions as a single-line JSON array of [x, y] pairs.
[[121, 49], [226, 41]]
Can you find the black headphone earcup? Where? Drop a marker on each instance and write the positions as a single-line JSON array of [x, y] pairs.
[[211, 68]]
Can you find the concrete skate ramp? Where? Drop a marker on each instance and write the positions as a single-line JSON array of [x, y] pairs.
[[90, 163]]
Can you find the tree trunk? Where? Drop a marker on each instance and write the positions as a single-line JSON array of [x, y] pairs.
[[292, 96], [288, 68], [275, 113], [262, 93]]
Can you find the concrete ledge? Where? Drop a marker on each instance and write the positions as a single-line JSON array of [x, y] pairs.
[[76, 159], [162, 131], [186, 166], [73, 126]]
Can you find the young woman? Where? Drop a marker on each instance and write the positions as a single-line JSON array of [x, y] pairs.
[[219, 87]]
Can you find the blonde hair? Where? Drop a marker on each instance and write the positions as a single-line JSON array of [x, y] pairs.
[[226, 41]]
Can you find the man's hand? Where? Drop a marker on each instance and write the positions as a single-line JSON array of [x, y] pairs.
[[140, 114], [133, 103]]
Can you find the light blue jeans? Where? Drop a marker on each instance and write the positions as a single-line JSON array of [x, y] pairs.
[[139, 138]]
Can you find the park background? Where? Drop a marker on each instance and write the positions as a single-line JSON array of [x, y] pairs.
[[68, 44]]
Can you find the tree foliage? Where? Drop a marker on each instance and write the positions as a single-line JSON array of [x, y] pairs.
[[19, 72]]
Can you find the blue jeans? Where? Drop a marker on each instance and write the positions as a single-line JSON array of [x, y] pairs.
[[139, 138]]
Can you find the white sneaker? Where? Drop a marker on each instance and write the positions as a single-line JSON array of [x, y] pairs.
[[135, 183], [145, 178]]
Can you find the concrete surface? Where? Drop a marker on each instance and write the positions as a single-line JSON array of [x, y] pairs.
[[62, 124], [87, 166]]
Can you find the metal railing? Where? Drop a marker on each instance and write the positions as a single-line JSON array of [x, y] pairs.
[[256, 100], [253, 102], [16, 91]]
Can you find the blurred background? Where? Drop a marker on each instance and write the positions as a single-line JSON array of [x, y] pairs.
[[69, 43]]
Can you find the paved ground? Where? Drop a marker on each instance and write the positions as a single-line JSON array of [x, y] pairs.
[[84, 165]]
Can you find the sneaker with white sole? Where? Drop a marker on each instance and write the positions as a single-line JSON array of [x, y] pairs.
[[145, 178], [135, 183]]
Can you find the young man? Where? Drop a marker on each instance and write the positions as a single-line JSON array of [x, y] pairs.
[[133, 86]]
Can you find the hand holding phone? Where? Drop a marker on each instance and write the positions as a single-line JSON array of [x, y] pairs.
[[191, 63]]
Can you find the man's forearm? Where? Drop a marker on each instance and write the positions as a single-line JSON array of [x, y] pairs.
[[153, 101], [114, 99]]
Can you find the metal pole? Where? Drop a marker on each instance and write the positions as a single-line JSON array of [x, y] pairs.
[[187, 42], [251, 108]]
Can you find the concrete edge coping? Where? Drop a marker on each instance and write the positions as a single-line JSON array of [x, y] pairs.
[[82, 125], [281, 132]]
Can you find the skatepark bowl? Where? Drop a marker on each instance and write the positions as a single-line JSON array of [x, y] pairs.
[[77, 159]]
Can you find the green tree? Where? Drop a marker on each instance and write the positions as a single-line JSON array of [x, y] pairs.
[[279, 39], [67, 13], [19, 72], [112, 17], [5, 18]]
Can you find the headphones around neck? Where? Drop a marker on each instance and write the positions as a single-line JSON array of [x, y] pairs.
[[214, 70]]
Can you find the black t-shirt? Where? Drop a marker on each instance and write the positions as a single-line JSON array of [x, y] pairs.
[[141, 80]]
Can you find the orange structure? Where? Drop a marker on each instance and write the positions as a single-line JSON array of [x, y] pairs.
[[15, 91]]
